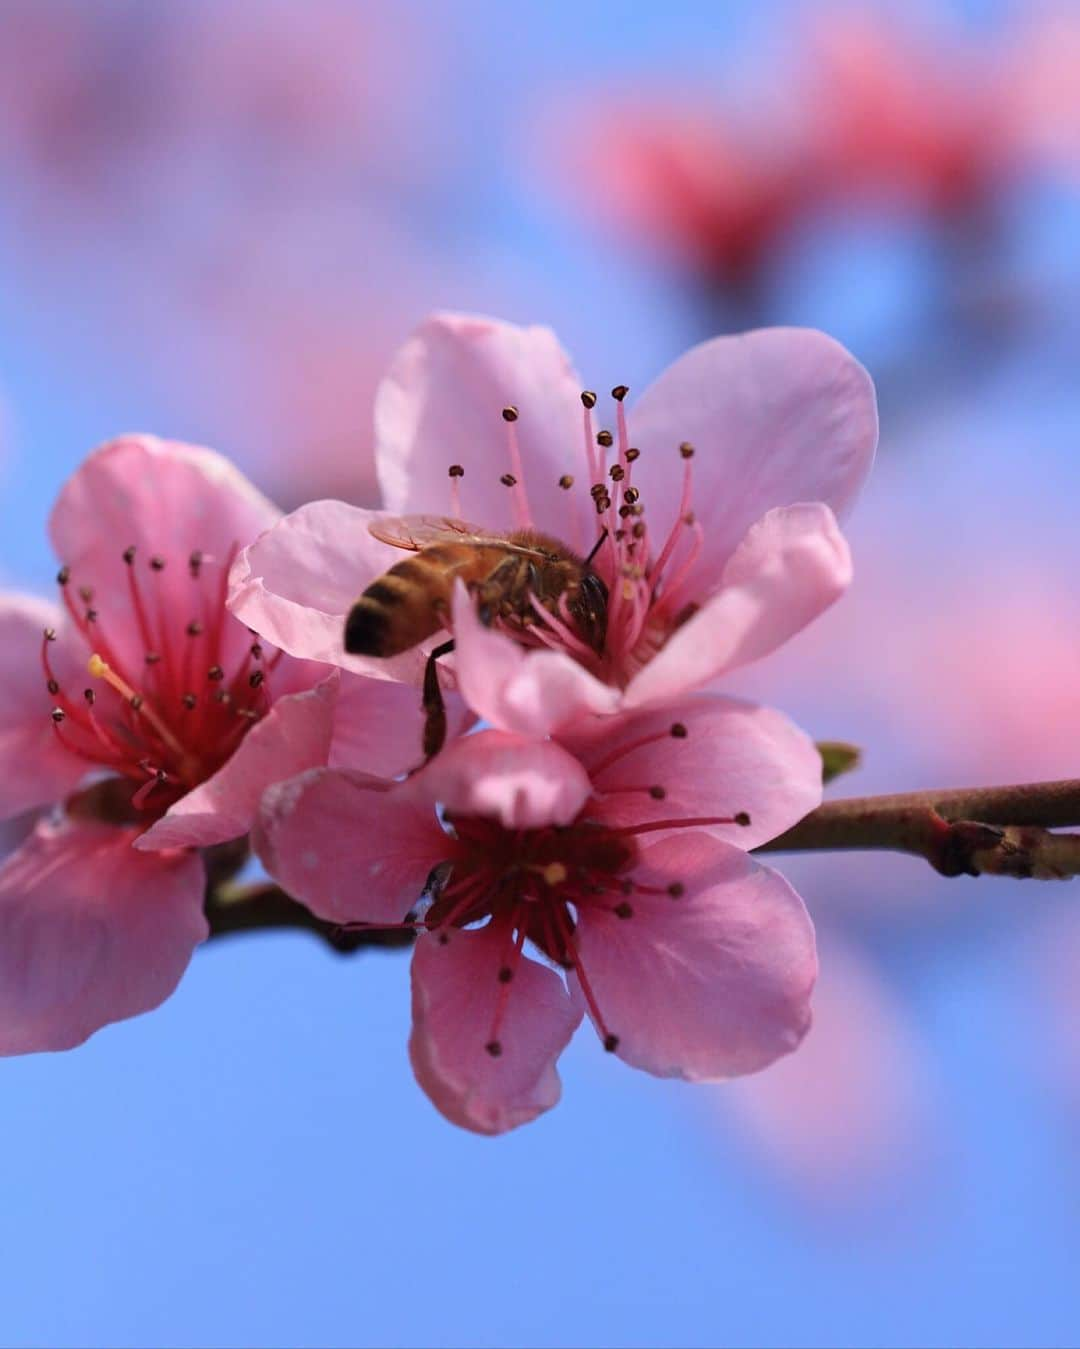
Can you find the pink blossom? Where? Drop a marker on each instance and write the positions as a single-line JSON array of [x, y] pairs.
[[690, 959], [713, 526], [144, 707]]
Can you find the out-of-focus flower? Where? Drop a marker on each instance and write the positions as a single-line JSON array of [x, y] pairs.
[[739, 454], [144, 707], [691, 960]]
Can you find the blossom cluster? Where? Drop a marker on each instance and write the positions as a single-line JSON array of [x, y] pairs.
[[577, 839]]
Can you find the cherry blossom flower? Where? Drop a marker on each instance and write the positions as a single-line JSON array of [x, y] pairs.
[[617, 854], [709, 511], [153, 716]]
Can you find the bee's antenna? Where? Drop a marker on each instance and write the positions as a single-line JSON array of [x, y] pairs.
[[597, 546]]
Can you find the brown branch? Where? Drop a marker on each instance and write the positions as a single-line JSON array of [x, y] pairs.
[[257, 908], [974, 831]]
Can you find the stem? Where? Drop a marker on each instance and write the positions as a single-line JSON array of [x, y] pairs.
[[255, 908], [961, 832]]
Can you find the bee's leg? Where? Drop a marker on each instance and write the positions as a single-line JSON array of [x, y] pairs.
[[432, 703]]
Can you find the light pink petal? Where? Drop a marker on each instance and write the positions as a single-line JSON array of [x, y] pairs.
[[776, 416], [790, 567], [735, 757], [91, 931], [531, 692], [441, 404], [168, 499], [710, 985], [35, 768], [524, 784], [353, 848], [293, 736], [295, 584], [456, 990], [378, 725]]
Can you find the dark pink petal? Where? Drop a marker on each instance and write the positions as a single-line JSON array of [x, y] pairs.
[[524, 784], [788, 569], [776, 416], [353, 848], [91, 931], [711, 984], [295, 584], [167, 499], [734, 757], [35, 768], [531, 692], [441, 404], [293, 736], [456, 990]]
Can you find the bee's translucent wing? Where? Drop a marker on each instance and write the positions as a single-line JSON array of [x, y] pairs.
[[418, 531]]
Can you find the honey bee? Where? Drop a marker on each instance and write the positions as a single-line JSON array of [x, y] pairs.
[[412, 601]]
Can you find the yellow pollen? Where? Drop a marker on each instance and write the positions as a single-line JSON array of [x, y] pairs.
[[99, 669], [555, 873]]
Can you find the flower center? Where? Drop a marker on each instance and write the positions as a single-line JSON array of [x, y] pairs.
[[171, 691], [649, 588]]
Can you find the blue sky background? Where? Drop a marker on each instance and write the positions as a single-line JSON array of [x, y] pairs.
[[253, 1163]]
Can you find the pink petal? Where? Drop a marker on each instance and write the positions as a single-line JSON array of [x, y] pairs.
[[441, 404], [91, 931], [710, 985], [790, 567], [531, 692], [524, 784], [378, 725], [456, 989], [168, 499], [776, 416], [35, 768], [295, 584], [353, 848], [735, 757], [293, 736]]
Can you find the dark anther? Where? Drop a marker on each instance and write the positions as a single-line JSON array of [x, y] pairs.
[[195, 562], [602, 504], [91, 615], [510, 414], [215, 673], [256, 678], [611, 1043], [620, 534], [620, 391], [623, 910], [135, 701], [678, 730], [566, 482], [160, 775], [58, 714], [222, 696], [625, 512], [129, 554], [617, 472], [605, 438], [742, 818], [456, 471], [508, 480], [686, 450], [189, 700], [50, 634], [194, 628], [632, 454], [90, 696], [631, 495], [256, 650], [157, 563], [493, 1048], [638, 531], [53, 686], [444, 940], [63, 576], [151, 658], [597, 490], [505, 974], [588, 398], [86, 594], [676, 889], [657, 793]]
